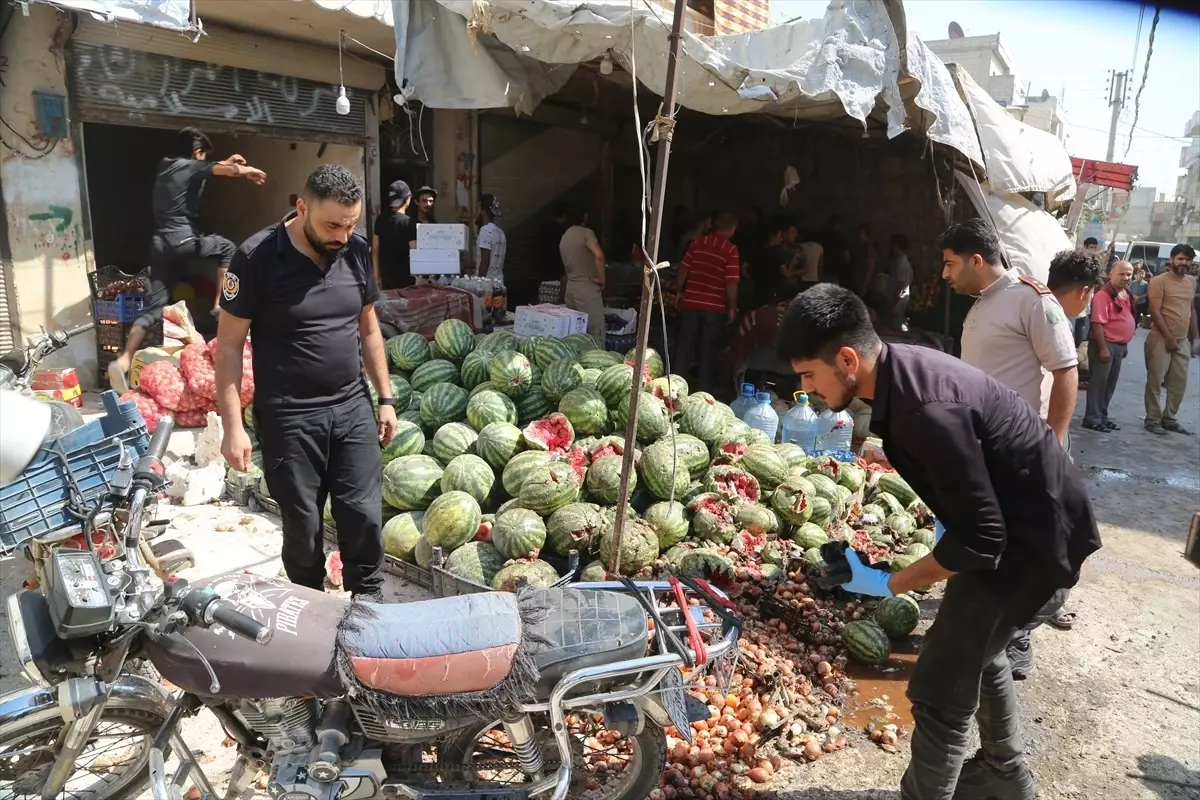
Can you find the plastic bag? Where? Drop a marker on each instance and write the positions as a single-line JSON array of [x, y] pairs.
[[177, 324]]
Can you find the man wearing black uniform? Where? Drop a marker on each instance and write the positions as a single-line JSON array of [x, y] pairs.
[[177, 238], [395, 235], [303, 289], [1015, 524]]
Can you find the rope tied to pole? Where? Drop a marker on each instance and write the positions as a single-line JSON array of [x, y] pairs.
[[663, 127]]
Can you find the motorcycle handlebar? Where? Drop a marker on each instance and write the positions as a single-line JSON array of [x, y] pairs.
[[84, 328], [160, 440], [240, 624]]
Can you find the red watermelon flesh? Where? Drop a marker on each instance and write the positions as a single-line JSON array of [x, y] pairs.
[[554, 433]]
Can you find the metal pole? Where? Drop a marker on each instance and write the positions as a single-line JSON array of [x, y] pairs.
[[657, 197], [1117, 101]]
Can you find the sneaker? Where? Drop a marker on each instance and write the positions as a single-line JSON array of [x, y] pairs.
[[1175, 427], [979, 780], [1156, 428], [1021, 661]]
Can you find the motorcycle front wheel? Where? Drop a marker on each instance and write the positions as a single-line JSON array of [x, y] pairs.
[[605, 764], [64, 418], [112, 766]]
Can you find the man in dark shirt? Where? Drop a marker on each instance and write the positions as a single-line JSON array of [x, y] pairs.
[[176, 205], [836, 246], [395, 235], [303, 289], [1015, 524], [423, 202]]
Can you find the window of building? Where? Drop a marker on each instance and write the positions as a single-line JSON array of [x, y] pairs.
[[705, 7]]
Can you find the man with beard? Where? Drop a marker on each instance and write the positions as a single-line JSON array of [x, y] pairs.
[[1015, 524], [304, 289], [1173, 322]]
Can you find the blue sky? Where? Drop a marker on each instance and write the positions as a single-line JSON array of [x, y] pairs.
[[1068, 47]]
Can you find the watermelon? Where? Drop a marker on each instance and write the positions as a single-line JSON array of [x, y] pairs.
[[901, 524], [615, 383], [490, 406], [423, 553], [498, 442], [824, 486], [471, 474], [443, 403], [821, 511], [414, 401], [897, 487], [549, 488], [639, 546], [866, 642], [792, 503], [732, 483], [692, 452], [653, 419], [755, 436], [888, 503], [411, 482], [476, 368], [917, 549], [573, 527], [604, 479], [586, 410], [560, 378], [671, 389], [755, 518], [590, 376], [553, 433], [925, 536], [670, 521], [599, 359], [852, 476], [507, 506], [534, 573], [702, 419], [400, 535], [534, 404], [581, 342], [653, 362], [527, 345], [452, 520], [809, 535], [712, 518], [452, 440], [413, 416], [662, 472], [511, 373], [708, 565], [498, 340], [477, 562], [401, 391], [454, 338], [406, 352], [898, 616], [433, 372], [535, 375], [547, 351], [792, 454], [814, 561], [594, 572], [407, 441], [520, 533], [765, 464], [520, 467], [902, 562]]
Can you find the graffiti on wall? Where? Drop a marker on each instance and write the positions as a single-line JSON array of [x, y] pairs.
[[118, 78], [41, 196]]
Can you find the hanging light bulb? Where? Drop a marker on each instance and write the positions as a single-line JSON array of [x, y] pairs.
[[342, 105], [606, 64]]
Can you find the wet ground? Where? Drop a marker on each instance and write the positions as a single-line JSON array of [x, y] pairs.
[[1113, 710]]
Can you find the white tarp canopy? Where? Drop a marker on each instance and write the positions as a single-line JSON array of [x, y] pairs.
[[173, 14], [1030, 236]]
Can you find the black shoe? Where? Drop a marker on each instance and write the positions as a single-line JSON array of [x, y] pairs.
[[979, 780], [1092, 426], [1021, 661], [1110, 425], [1175, 427]]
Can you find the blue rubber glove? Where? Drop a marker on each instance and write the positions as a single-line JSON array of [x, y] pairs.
[[939, 531], [866, 579]]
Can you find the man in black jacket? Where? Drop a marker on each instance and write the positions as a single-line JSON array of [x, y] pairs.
[[1015, 524]]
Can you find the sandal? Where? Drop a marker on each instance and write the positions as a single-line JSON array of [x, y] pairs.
[[1063, 620]]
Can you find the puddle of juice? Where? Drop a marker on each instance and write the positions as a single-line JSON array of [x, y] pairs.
[[881, 691]]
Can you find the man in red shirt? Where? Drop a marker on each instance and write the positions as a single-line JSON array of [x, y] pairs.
[[707, 290], [1113, 325]]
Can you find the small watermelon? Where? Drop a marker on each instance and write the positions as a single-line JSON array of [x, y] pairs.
[[452, 440], [866, 642], [898, 616], [477, 562], [534, 573], [586, 410], [520, 533], [432, 373], [400, 535]]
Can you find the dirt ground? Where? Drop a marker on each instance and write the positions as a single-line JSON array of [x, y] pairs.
[[1113, 710]]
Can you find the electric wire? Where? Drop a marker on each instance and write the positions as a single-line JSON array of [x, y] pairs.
[[1137, 100]]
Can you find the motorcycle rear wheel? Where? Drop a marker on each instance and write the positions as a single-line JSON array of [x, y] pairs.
[[644, 757], [27, 752]]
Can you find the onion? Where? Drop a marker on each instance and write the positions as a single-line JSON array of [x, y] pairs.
[[812, 751], [768, 719], [759, 775]]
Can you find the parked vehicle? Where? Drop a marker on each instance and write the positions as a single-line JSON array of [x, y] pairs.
[[18, 366], [548, 693], [1154, 255]]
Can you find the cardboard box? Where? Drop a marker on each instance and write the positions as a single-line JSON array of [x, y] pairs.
[[549, 320], [441, 236], [58, 384], [435, 262]]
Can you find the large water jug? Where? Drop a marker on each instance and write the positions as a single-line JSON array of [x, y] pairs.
[[762, 417], [744, 403], [800, 424], [835, 435]]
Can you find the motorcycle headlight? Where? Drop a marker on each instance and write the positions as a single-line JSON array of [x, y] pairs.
[[20, 641]]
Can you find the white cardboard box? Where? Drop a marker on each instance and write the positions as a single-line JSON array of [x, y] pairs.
[[441, 236], [549, 320], [435, 262]]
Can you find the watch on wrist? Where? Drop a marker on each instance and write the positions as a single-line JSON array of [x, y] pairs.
[[387, 401]]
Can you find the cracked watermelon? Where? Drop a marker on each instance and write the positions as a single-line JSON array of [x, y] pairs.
[[792, 504], [452, 520], [443, 403], [765, 464], [477, 562], [471, 474], [639, 546], [401, 533], [407, 351], [653, 362], [411, 482], [756, 518], [734, 484], [662, 472], [454, 338], [603, 479], [671, 389], [408, 441], [594, 572], [535, 573], [498, 442], [703, 419], [520, 467], [669, 521], [711, 566], [692, 452], [552, 433], [519, 533], [586, 409], [712, 518], [511, 373], [560, 378], [549, 488], [653, 419], [452, 440], [573, 527]]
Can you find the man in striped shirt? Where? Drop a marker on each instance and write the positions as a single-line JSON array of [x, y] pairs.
[[707, 292]]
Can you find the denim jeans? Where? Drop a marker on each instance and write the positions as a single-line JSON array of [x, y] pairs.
[[963, 672]]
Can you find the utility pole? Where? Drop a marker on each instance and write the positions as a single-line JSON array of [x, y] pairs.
[[1116, 99]]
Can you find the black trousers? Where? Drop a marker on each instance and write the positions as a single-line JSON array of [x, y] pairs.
[[327, 452], [699, 336], [169, 254], [963, 672]]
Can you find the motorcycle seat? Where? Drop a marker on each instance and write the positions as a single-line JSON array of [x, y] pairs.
[[448, 646]]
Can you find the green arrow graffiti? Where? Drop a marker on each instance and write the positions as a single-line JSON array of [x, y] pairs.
[[63, 214]]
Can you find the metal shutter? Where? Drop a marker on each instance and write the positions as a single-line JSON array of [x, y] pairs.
[[8, 340], [107, 79], [528, 165]]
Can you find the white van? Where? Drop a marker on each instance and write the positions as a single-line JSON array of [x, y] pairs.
[[1154, 255]]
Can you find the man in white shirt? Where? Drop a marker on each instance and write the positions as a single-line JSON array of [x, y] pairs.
[[491, 243]]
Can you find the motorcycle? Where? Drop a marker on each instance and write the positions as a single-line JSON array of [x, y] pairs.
[[19, 365], [545, 693]]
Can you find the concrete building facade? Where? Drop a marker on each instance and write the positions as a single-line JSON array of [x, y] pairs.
[[1187, 188]]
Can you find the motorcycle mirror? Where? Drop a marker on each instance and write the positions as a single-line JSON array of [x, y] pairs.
[[24, 423]]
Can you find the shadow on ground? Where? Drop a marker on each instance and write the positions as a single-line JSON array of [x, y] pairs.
[[825, 793], [1167, 778]]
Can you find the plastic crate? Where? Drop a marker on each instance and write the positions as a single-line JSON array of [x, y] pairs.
[[122, 308], [100, 279], [69, 474]]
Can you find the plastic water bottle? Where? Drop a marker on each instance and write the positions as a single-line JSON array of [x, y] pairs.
[[744, 403], [762, 417], [800, 424], [835, 435]]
